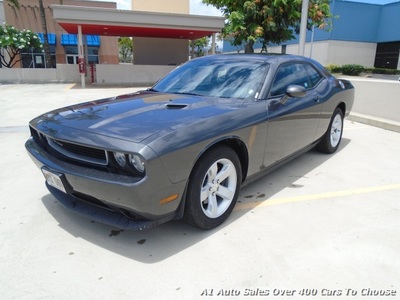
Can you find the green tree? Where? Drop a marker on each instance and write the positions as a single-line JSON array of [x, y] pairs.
[[13, 42], [125, 48], [270, 21], [49, 59], [197, 46]]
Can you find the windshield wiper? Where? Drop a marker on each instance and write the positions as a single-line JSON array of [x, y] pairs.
[[188, 93]]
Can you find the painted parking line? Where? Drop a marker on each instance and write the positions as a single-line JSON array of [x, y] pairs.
[[344, 193], [69, 86]]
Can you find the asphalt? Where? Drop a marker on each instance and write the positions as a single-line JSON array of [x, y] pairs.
[[327, 226]]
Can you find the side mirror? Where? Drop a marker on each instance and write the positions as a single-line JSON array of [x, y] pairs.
[[293, 91]]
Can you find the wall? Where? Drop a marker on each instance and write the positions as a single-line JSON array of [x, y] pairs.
[[175, 6], [2, 15], [335, 52], [389, 27], [320, 51], [130, 74], [157, 51], [355, 21], [105, 74], [376, 103], [341, 53]]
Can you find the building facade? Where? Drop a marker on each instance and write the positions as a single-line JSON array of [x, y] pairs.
[[161, 51], [362, 33], [63, 46]]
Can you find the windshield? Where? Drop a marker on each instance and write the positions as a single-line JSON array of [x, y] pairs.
[[238, 78]]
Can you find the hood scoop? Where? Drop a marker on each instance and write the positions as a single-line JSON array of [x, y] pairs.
[[175, 105]]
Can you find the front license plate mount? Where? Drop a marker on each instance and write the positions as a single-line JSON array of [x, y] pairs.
[[55, 180]]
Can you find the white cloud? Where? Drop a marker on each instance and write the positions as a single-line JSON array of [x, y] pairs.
[[123, 4], [197, 7]]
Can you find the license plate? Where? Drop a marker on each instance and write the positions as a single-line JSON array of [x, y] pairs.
[[54, 180]]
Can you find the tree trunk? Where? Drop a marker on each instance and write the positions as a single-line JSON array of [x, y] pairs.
[[191, 49], [49, 61], [249, 47]]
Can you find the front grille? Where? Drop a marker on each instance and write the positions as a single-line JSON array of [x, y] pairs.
[[78, 152]]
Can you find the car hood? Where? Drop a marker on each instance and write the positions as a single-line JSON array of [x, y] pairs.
[[136, 117]]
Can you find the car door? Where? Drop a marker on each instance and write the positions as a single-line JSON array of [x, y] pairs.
[[292, 125]]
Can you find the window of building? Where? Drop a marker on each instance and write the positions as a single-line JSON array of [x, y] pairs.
[[91, 42], [35, 58], [71, 53]]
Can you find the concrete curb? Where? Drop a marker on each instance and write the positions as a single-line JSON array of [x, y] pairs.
[[374, 121]]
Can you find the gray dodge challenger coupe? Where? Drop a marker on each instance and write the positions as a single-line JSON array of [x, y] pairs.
[[183, 148]]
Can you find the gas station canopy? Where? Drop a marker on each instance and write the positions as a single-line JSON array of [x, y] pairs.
[[114, 22]]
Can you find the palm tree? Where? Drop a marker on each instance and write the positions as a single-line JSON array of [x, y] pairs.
[[49, 60]]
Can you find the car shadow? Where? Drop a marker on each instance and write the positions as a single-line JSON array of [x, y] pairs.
[[157, 244]]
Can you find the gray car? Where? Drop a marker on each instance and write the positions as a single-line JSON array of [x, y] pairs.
[[184, 148]]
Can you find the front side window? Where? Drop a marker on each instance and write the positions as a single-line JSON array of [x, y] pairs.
[[290, 74], [315, 77]]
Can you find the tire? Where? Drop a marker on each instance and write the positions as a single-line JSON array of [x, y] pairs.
[[213, 188], [333, 136]]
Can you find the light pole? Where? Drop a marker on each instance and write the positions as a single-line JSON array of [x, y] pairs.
[[303, 27]]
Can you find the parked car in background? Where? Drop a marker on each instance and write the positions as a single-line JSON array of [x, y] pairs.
[[184, 148]]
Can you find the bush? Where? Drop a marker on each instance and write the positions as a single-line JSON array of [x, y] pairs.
[[385, 71], [334, 68], [352, 70]]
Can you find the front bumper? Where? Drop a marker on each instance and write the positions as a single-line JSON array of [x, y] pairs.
[[102, 215], [137, 197]]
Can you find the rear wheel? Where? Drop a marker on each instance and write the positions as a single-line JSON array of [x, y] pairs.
[[331, 140], [213, 188]]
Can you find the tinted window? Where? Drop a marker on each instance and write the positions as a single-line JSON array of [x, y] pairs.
[[287, 75], [315, 77]]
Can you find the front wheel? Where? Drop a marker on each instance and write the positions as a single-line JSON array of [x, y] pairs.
[[331, 140], [213, 188]]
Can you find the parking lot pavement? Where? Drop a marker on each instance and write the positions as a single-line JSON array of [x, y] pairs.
[[323, 225]]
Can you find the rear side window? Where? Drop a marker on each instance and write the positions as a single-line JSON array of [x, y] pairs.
[[294, 74]]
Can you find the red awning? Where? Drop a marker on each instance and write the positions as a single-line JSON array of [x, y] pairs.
[[132, 31], [114, 22]]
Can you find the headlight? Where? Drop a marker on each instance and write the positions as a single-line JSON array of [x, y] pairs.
[[136, 162], [120, 158], [129, 162]]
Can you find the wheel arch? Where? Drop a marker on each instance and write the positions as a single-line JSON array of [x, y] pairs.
[[237, 145], [342, 107], [232, 142]]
